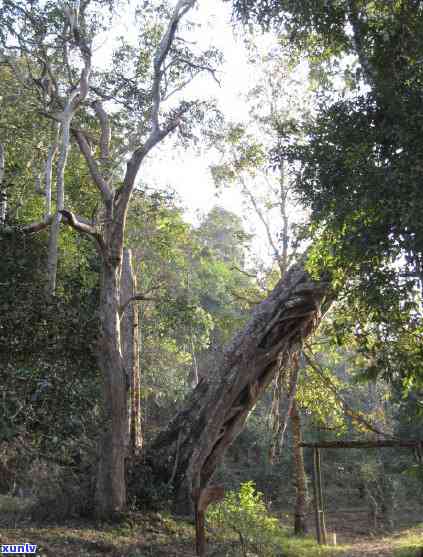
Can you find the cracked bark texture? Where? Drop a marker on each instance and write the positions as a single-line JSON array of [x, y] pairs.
[[188, 451]]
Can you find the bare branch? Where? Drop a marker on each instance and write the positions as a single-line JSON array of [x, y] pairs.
[[192, 65], [136, 298], [182, 7], [157, 133], [82, 225], [202, 68], [177, 89], [84, 146], [105, 130], [135, 161], [35, 227], [53, 252], [277, 254]]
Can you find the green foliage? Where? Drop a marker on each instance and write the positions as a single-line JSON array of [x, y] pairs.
[[191, 276], [245, 513], [49, 380], [360, 168]]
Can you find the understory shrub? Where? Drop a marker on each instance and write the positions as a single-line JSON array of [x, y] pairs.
[[244, 513]]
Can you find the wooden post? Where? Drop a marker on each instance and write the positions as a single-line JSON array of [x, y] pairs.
[[316, 496], [200, 534], [320, 497]]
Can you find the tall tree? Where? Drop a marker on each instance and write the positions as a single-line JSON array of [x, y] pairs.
[[56, 42]]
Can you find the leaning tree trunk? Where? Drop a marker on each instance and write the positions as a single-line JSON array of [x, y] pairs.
[[111, 485], [188, 451], [300, 523]]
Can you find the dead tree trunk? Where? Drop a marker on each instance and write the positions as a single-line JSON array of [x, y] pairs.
[[190, 448]]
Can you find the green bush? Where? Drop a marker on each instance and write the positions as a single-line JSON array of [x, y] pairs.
[[245, 514]]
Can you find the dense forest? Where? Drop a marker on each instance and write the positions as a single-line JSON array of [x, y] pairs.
[[246, 382]]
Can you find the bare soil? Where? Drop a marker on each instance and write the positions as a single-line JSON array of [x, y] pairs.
[[354, 528]]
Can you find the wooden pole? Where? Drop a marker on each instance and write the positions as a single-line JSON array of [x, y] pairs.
[[200, 538], [316, 497], [364, 444], [320, 496]]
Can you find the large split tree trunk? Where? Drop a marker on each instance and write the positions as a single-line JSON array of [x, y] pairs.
[[188, 451]]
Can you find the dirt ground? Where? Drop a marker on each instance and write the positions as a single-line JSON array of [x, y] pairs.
[[157, 535], [353, 528]]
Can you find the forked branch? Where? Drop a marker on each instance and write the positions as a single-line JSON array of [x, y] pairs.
[[81, 225], [105, 136], [157, 132]]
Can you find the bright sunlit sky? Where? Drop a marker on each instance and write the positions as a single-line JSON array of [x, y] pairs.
[[189, 174]]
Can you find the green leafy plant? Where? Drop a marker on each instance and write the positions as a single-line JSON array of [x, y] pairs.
[[245, 514]]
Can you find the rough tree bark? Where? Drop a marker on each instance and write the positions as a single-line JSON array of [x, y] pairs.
[[188, 451], [111, 486]]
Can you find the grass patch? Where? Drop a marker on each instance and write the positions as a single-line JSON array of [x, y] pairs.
[[307, 547], [409, 543]]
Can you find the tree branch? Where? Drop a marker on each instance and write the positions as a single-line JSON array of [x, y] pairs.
[[81, 225], [250, 275], [182, 7], [347, 408], [96, 175], [105, 130], [35, 227], [358, 42], [157, 133], [136, 298], [260, 215]]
